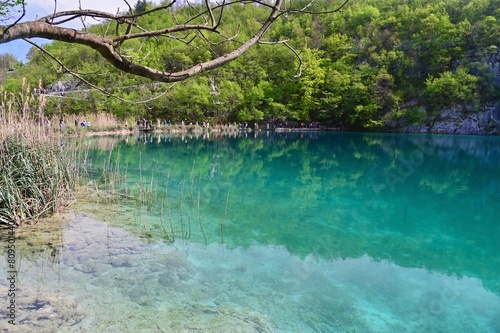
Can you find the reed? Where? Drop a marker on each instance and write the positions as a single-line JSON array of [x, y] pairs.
[[181, 206], [157, 207], [225, 214], [169, 208], [199, 212], [23, 114], [162, 209], [37, 176]]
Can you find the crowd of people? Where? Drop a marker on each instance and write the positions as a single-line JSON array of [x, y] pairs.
[[144, 124], [83, 123], [147, 124]]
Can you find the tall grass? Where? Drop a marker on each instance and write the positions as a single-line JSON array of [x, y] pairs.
[[37, 176], [36, 179]]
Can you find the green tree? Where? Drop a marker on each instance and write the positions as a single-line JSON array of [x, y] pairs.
[[228, 101], [382, 91], [306, 97], [141, 6], [456, 89]]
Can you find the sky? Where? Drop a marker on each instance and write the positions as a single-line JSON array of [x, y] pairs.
[[40, 8]]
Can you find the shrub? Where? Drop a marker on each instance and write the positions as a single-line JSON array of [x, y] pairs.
[[451, 90]]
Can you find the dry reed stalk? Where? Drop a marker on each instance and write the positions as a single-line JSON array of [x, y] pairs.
[[162, 208], [191, 182], [101, 119], [225, 213], [23, 115], [170, 221], [199, 211], [181, 206]]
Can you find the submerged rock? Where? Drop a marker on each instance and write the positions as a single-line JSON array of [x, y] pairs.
[[200, 318], [44, 312]]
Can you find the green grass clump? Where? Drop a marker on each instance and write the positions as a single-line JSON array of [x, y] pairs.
[[36, 178]]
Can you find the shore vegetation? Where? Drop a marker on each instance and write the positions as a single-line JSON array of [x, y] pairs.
[[37, 176]]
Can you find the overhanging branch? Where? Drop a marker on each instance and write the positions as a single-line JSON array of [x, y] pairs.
[[109, 47]]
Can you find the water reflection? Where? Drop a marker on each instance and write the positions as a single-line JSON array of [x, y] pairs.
[[151, 137], [417, 200], [283, 232], [111, 280]]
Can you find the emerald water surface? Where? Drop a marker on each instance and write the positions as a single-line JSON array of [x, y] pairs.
[[271, 232]]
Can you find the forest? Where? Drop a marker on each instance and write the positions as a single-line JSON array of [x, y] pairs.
[[375, 65]]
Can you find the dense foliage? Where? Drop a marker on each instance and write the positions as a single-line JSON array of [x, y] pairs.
[[375, 64]]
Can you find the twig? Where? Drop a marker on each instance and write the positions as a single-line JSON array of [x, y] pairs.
[[79, 77]]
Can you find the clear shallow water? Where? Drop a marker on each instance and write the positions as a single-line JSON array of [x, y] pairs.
[[313, 232]]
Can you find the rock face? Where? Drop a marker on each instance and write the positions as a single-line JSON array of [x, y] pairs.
[[454, 122], [495, 112]]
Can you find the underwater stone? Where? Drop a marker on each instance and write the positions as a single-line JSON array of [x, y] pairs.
[[44, 312]]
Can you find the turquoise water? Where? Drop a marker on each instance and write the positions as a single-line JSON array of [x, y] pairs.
[[272, 232]]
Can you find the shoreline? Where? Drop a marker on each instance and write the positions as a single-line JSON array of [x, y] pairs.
[[124, 132]]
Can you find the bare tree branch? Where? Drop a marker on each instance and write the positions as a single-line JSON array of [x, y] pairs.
[[298, 73], [19, 18], [207, 19], [82, 79]]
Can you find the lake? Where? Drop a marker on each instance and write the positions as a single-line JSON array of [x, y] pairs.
[[269, 232]]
